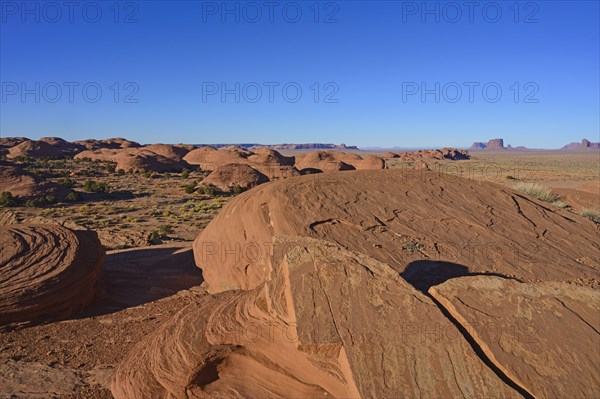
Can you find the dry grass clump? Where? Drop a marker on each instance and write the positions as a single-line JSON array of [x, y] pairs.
[[538, 191], [592, 214]]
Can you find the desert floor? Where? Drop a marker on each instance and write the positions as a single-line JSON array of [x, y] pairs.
[[147, 223]]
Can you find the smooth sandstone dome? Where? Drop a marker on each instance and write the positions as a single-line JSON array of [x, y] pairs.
[[225, 177], [174, 152], [27, 185], [401, 217], [46, 271], [136, 160]]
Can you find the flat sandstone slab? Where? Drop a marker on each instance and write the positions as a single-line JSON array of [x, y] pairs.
[[545, 336]]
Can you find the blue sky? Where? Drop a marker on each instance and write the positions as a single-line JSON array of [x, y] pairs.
[[370, 73]]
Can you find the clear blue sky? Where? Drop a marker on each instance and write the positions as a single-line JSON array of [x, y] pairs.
[[370, 58]]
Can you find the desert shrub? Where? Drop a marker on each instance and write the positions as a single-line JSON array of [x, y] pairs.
[[190, 188], [36, 202], [185, 173], [73, 196], [165, 230], [413, 246], [110, 167], [237, 189], [148, 174], [509, 177], [93, 186], [50, 199], [7, 199], [560, 204], [121, 171], [538, 191], [207, 190], [66, 182], [592, 214]]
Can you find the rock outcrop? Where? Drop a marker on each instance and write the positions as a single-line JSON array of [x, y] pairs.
[[584, 145], [26, 185], [227, 176], [329, 323], [47, 147], [540, 334], [399, 217], [325, 286], [137, 160], [46, 271]]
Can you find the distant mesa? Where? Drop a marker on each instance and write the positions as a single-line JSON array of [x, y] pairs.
[[307, 146], [584, 145], [493, 144]]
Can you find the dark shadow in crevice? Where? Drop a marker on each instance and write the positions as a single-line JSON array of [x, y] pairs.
[[424, 274]]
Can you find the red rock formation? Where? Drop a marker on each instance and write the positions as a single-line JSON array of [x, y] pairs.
[[46, 271], [27, 185], [225, 177], [398, 216], [328, 323], [540, 334]]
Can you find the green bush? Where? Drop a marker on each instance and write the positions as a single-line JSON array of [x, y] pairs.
[[190, 188], [7, 199], [36, 202], [207, 190], [66, 182], [92, 186], [538, 191], [237, 189], [185, 173], [73, 196]]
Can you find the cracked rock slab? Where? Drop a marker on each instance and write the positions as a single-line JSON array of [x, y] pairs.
[[544, 336], [328, 323]]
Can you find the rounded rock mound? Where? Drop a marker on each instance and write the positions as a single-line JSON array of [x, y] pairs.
[[227, 176], [46, 271], [411, 220], [26, 185]]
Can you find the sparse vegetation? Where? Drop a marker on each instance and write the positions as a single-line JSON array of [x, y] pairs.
[[8, 200], [509, 177], [561, 204], [592, 214], [207, 190], [190, 188], [185, 173], [413, 246], [237, 189], [93, 186], [73, 196], [538, 191]]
